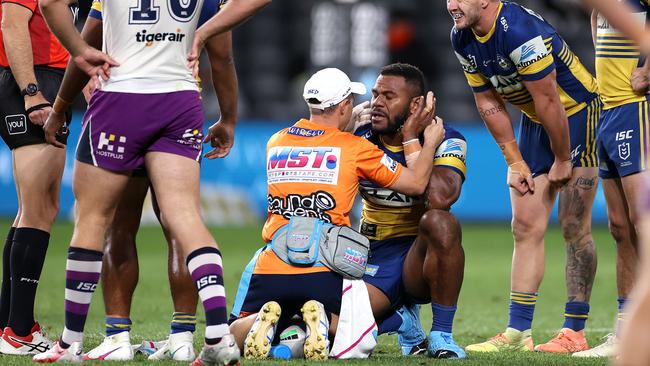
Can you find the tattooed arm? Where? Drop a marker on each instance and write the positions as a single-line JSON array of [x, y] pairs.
[[497, 120]]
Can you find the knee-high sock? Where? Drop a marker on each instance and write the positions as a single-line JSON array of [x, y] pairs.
[[5, 292], [27, 258], [82, 274], [205, 266]]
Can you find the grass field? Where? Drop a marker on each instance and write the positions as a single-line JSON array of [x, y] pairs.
[[482, 310]]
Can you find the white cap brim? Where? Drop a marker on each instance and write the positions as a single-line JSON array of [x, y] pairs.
[[358, 88]]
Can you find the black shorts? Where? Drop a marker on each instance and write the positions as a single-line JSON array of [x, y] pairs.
[[15, 127]]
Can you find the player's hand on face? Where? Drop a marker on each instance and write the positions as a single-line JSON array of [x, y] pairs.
[[95, 64], [560, 172], [221, 136], [421, 114], [360, 116], [520, 178], [434, 133], [39, 115], [640, 81], [55, 125]]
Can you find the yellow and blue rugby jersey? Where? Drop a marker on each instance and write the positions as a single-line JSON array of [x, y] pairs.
[[388, 214], [616, 58], [520, 46]]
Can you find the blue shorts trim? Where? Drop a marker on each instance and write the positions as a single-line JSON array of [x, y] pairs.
[[535, 144], [385, 266], [623, 140]]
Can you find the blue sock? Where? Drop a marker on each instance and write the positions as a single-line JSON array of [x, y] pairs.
[[621, 304], [183, 322], [443, 317], [390, 324], [117, 325], [575, 315], [522, 309]]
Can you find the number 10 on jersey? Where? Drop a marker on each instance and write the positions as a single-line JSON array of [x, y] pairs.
[[146, 11]]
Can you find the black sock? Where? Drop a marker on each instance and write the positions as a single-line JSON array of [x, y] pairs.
[[5, 292], [27, 258]]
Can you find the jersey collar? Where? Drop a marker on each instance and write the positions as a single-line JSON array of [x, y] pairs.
[[489, 34]]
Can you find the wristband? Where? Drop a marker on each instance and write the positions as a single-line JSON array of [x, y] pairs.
[[411, 141], [412, 148], [60, 105], [511, 152]]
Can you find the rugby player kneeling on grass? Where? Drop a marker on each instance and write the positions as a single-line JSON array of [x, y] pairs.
[[314, 170]]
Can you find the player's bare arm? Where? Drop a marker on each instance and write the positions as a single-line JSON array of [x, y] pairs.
[[18, 45], [640, 78], [92, 61], [224, 78], [74, 80], [233, 13], [497, 120], [443, 189], [553, 117]]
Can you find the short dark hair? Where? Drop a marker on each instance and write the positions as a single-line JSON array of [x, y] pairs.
[[410, 73]]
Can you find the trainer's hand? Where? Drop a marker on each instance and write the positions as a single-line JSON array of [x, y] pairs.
[[55, 125], [221, 136], [39, 115], [560, 172], [434, 133], [520, 178], [195, 52], [421, 114], [360, 116], [95, 64]]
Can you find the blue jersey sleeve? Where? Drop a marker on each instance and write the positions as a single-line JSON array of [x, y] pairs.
[[452, 152], [526, 43], [475, 79], [210, 9]]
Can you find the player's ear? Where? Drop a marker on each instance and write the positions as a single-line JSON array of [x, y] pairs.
[[415, 103]]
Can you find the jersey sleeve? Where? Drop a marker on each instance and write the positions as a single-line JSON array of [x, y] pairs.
[[525, 44], [374, 165], [210, 9], [96, 10], [476, 81], [29, 4], [452, 153]]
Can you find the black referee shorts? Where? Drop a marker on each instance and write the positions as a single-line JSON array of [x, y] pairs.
[[15, 127]]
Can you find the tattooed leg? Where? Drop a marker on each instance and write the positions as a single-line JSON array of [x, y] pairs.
[[576, 201]]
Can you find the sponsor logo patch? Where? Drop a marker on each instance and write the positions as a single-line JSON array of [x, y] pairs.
[[286, 164], [389, 162], [111, 146], [16, 124], [529, 52], [304, 132], [453, 147], [315, 205]]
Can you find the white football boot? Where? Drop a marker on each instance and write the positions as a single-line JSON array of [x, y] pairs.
[[34, 343], [114, 348], [178, 347], [609, 348], [258, 341], [317, 342], [72, 354], [224, 353]]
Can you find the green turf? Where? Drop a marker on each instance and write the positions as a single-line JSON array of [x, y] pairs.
[[482, 310]]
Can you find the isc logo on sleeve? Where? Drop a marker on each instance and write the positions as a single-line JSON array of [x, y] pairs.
[[287, 164]]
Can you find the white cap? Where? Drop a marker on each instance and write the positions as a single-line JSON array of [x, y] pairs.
[[329, 87]]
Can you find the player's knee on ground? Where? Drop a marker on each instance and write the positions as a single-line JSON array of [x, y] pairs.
[[527, 226], [440, 229]]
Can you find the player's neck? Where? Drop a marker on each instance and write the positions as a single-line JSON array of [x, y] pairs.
[[487, 20], [324, 121], [393, 139]]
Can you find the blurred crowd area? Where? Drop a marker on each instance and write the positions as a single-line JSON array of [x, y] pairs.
[[277, 50]]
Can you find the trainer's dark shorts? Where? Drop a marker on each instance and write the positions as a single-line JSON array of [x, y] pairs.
[[15, 127], [623, 140], [385, 266], [291, 291], [535, 144]]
